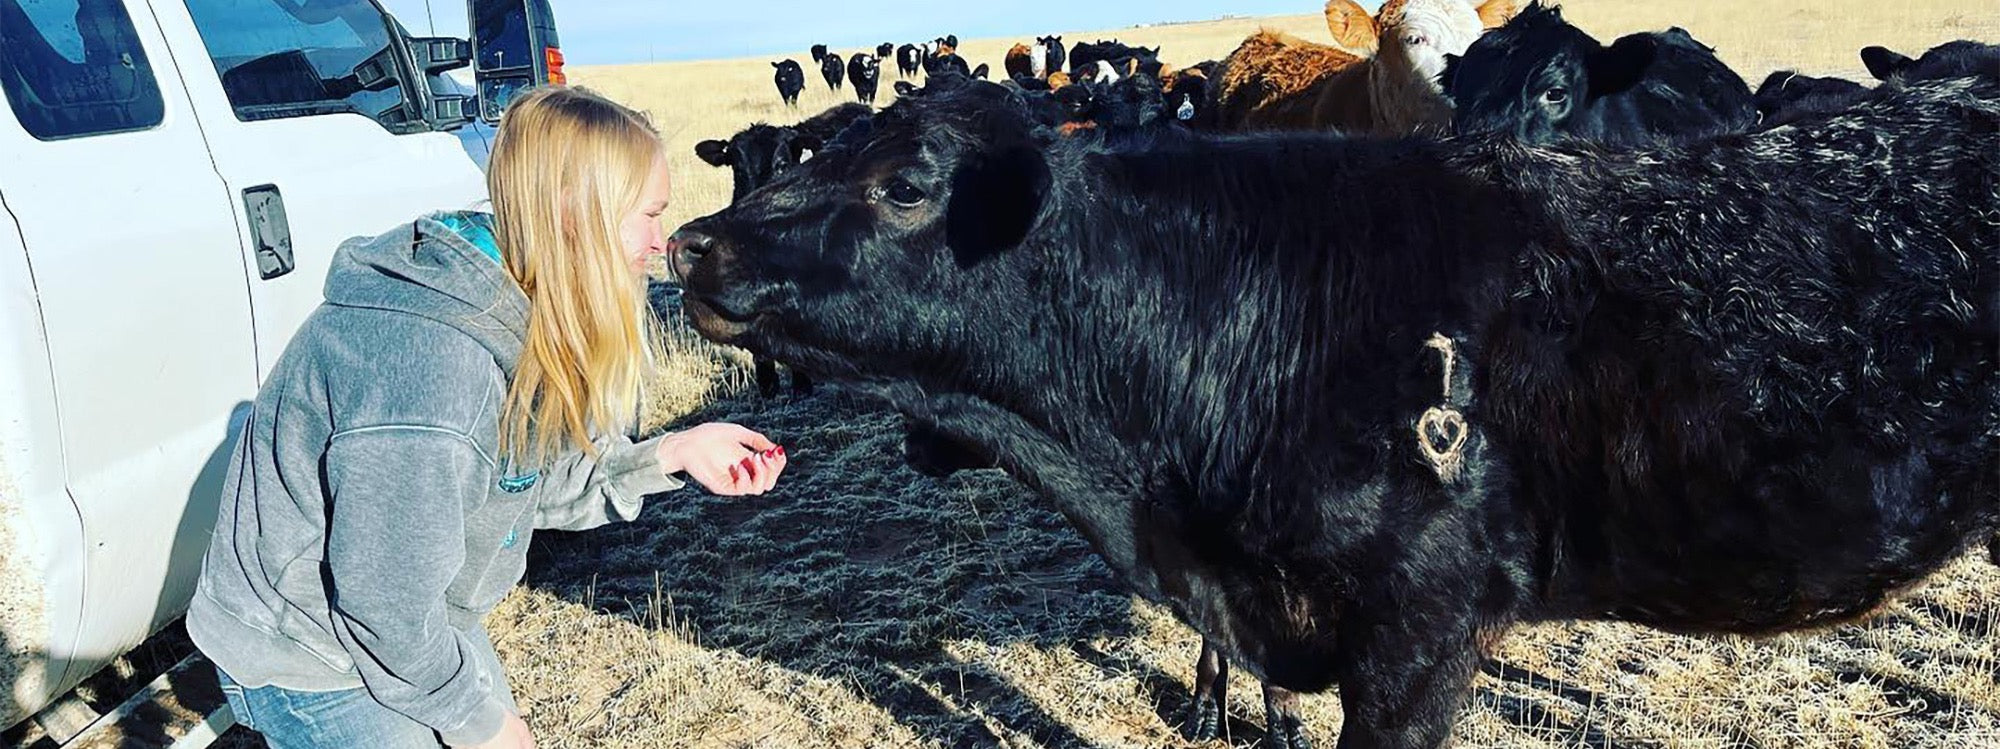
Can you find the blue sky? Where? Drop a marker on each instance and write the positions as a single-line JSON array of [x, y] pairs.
[[617, 31]]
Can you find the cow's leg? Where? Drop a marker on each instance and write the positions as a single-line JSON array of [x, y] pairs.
[[1402, 683], [1285, 729], [802, 384], [767, 377], [1210, 706], [1993, 550]]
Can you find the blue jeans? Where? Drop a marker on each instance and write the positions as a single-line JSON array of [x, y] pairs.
[[343, 719]]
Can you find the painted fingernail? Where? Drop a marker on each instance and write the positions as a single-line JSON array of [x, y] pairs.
[[732, 473], [781, 451]]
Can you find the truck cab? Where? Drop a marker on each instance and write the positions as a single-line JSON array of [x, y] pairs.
[[176, 177]]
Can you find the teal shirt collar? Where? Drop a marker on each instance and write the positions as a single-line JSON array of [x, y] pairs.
[[475, 227]]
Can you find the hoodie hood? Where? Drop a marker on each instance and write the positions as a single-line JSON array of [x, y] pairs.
[[444, 268]]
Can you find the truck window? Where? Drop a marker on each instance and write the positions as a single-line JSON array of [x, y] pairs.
[[298, 58], [73, 68]]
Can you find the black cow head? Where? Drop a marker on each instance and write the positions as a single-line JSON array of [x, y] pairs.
[[757, 154], [1530, 77], [890, 235], [1949, 60]]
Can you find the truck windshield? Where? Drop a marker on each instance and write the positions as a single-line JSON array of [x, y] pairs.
[[296, 58]]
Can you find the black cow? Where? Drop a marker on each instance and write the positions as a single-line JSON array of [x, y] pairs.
[[1187, 93], [1126, 106], [790, 79], [885, 50], [1786, 96], [1949, 60], [864, 71], [941, 64], [1669, 387], [909, 60], [758, 154], [1057, 56], [1085, 55], [1539, 78], [818, 53], [832, 68]]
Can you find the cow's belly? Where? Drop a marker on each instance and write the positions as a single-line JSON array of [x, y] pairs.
[[1778, 548]]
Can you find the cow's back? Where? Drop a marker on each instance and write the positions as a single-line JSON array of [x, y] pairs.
[[1756, 382]]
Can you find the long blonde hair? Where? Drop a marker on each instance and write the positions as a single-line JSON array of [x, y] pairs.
[[567, 165]]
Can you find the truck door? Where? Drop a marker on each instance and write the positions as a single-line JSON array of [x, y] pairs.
[[133, 254], [318, 132]]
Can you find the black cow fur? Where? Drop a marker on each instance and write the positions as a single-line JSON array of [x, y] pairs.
[[1538, 78], [1745, 385]]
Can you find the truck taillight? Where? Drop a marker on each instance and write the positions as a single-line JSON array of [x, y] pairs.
[[555, 61]]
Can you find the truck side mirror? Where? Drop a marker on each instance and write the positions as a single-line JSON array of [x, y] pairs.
[[514, 47]]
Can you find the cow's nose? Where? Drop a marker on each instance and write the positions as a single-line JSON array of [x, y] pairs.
[[684, 248], [691, 243]]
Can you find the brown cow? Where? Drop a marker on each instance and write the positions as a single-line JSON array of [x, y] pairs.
[[1020, 62], [1396, 91], [1272, 81]]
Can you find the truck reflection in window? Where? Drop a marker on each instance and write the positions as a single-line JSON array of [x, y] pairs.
[[298, 58], [73, 68]]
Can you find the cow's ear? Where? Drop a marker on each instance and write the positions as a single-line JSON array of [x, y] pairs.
[[777, 64], [1883, 62], [1622, 65], [715, 152], [1494, 14], [1353, 29], [994, 203]]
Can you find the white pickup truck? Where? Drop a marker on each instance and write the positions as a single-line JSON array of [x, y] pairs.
[[174, 178]]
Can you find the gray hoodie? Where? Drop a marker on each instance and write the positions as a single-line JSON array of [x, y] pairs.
[[367, 522]]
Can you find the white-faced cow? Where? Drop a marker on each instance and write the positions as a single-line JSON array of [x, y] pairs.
[[864, 71]]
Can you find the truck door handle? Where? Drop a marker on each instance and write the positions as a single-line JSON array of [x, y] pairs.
[[270, 232]]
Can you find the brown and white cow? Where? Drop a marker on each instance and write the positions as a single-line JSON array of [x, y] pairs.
[[1396, 91], [1379, 75]]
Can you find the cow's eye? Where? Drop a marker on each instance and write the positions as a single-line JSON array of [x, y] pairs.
[[904, 194], [1415, 40], [1555, 96]]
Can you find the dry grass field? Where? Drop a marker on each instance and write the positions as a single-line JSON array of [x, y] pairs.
[[863, 605]]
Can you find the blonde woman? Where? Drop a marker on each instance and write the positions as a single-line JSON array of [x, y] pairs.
[[468, 380]]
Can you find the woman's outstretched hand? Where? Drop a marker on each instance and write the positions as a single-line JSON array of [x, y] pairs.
[[726, 459]]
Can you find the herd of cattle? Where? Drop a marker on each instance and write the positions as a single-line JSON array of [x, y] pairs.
[[1355, 356]]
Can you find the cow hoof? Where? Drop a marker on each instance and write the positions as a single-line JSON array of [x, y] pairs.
[[1204, 720], [1288, 733]]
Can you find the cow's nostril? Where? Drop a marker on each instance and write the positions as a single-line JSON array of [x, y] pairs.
[[691, 243]]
